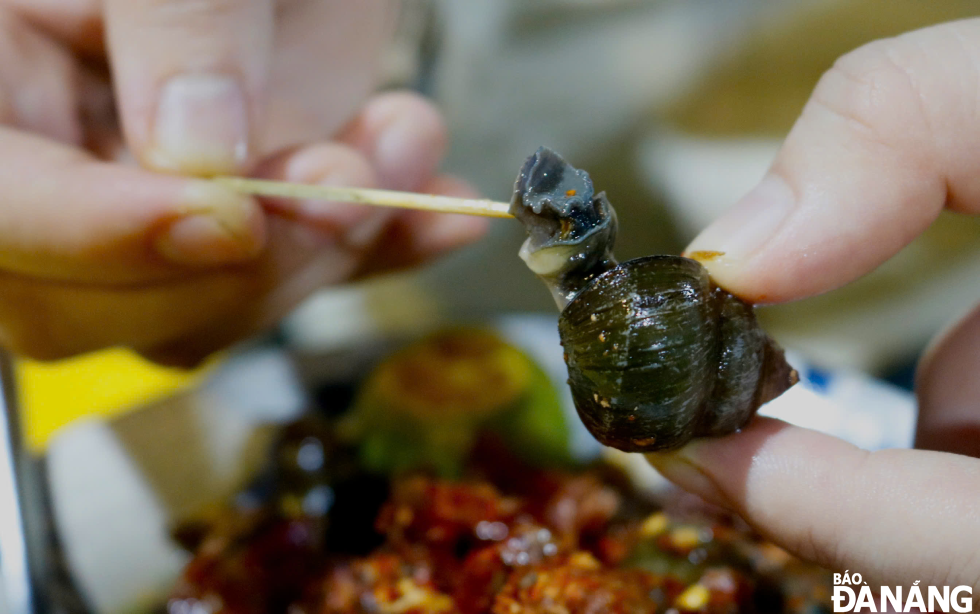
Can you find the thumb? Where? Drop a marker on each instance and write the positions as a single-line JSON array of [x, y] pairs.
[[189, 77], [69, 217], [886, 140]]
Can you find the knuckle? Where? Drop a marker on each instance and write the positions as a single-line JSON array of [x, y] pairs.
[[873, 90]]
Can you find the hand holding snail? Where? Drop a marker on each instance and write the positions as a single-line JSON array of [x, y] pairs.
[[657, 354], [886, 142]]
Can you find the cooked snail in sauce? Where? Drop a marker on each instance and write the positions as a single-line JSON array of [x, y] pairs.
[[657, 354]]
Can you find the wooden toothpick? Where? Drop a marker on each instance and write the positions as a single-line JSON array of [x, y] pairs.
[[380, 198]]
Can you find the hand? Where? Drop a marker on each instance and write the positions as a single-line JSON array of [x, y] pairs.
[[888, 139], [96, 252]]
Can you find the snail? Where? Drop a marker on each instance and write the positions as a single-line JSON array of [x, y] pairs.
[[657, 354]]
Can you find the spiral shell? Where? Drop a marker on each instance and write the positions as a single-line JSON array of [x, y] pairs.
[[658, 355]]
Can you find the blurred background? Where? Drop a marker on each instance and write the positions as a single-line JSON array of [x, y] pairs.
[[676, 108]]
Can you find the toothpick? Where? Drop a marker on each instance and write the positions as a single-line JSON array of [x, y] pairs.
[[380, 198]]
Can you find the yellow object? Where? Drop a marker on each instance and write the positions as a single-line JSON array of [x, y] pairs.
[[454, 374], [654, 525], [685, 537], [106, 384], [694, 598]]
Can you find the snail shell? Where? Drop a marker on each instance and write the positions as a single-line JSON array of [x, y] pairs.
[[657, 354]]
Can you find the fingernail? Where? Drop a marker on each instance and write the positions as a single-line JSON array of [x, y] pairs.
[[217, 226], [201, 125], [753, 221], [680, 470]]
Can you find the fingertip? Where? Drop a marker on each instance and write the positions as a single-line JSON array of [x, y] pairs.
[[729, 246], [883, 144], [679, 470], [321, 161], [781, 242], [781, 492], [403, 135], [445, 232], [451, 185], [438, 233], [215, 226], [746, 473], [328, 164], [718, 468]]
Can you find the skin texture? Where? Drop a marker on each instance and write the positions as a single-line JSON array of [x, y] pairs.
[[97, 251], [887, 140]]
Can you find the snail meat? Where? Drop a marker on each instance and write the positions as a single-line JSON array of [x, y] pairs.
[[657, 354]]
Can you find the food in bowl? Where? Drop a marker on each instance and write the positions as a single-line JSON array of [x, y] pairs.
[[485, 527]]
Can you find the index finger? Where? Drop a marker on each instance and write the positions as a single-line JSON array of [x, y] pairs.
[[887, 140]]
